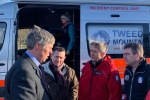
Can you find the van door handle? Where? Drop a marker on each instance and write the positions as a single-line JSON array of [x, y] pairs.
[[2, 64]]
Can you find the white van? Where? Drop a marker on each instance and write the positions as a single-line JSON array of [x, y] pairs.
[[115, 22]]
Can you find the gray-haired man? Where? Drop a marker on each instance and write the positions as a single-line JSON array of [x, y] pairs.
[[24, 80]]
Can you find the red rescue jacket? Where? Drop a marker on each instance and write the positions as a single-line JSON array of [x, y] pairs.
[[101, 84]]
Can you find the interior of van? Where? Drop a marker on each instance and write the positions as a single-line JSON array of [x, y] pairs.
[[47, 17]]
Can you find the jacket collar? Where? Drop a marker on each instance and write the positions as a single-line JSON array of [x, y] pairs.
[[105, 61], [32, 63], [101, 63], [36, 68], [47, 69], [141, 67], [34, 59]]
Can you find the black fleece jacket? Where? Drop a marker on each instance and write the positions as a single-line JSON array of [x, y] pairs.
[[137, 84]]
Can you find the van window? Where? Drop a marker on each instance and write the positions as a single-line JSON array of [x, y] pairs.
[[22, 34], [2, 33]]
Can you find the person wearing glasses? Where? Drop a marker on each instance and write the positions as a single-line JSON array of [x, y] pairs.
[[137, 72]]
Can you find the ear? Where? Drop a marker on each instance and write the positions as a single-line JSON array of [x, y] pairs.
[[137, 56], [64, 57], [103, 54], [37, 45]]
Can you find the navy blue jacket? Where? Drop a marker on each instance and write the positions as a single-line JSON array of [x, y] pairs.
[[136, 85], [68, 36]]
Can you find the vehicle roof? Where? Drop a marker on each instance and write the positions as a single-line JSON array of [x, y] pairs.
[[124, 2], [7, 10]]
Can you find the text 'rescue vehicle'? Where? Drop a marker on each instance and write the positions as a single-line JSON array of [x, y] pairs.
[[113, 22]]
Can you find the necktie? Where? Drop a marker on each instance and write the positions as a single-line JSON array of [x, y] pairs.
[[43, 76]]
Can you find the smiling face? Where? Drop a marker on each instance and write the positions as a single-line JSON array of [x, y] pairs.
[[43, 52], [58, 58]]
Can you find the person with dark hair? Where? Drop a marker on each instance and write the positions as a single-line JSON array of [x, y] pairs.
[[68, 36], [60, 77], [137, 73], [25, 80]]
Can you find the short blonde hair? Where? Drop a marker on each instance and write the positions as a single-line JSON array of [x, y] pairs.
[[101, 46]]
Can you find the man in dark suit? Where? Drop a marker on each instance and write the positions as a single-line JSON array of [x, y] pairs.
[[25, 80]]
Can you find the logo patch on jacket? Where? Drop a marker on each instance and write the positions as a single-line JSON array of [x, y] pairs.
[[117, 78], [140, 79], [126, 78], [98, 73]]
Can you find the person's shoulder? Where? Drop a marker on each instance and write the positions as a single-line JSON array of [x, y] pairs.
[[68, 67], [71, 25], [25, 63], [69, 70], [147, 69], [86, 66], [148, 66], [45, 65], [21, 61], [20, 66], [109, 62]]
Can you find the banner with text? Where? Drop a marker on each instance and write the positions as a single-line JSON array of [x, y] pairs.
[[116, 36]]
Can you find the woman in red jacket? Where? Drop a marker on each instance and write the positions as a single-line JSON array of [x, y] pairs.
[[100, 79]]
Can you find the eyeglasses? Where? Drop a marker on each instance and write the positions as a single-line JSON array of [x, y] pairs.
[[126, 54]]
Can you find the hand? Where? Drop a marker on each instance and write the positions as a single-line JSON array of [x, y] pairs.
[[67, 52]]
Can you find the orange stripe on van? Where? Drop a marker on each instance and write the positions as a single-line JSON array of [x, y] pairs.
[[1, 98], [148, 60], [2, 83], [121, 75], [120, 64]]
